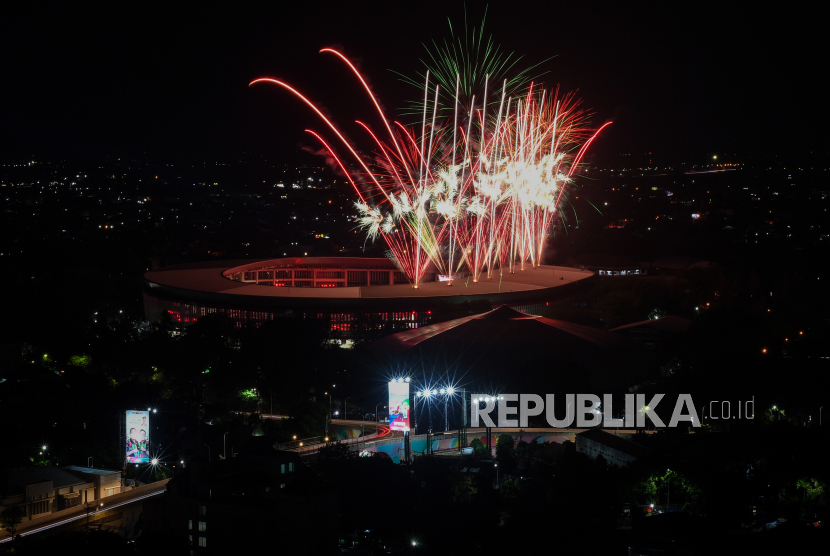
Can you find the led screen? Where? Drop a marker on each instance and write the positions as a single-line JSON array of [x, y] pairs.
[[399, 406]]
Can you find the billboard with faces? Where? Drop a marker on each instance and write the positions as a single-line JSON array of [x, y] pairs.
[[138, 436]]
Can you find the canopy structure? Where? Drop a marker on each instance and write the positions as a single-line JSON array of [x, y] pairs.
[[509, 349]]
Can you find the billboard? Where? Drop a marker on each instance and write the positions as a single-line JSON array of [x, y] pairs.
[[399, 406], [138, 436]]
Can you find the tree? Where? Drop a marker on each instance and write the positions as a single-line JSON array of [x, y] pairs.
[[11, 518], [505, 452], [479, 449]]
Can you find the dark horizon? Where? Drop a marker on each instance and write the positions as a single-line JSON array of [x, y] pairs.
[[173, 85]]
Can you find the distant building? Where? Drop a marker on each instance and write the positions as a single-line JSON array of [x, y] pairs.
[[614, 449], [263, 497], [39, 491], [605, 264]]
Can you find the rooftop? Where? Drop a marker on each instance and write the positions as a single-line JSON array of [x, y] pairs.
[[210, 279], [60, 477]]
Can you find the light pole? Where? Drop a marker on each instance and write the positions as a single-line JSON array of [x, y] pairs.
[[376, 412], [327, 424], [498, 485], [224, 446], [346, 408], [568, 415], [668, 487]]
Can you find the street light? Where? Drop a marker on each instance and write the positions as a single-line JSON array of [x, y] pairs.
[[376, 412], [154, 461]]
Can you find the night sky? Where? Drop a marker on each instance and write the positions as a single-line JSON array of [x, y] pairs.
[[679, 79]]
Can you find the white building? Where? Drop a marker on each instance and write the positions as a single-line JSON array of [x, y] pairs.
[[39, 491]]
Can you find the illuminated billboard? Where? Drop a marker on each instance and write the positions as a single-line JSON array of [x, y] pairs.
[[138, 436], [399, 406]]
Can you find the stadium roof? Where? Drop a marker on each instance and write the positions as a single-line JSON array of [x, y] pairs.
[[507, 346], [208, 282]]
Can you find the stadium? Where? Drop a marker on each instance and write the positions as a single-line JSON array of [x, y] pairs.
[[340, 289]]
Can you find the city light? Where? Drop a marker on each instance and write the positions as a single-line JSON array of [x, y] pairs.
[[155, 461]]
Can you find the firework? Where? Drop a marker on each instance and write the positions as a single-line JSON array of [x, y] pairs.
[[477, 192]]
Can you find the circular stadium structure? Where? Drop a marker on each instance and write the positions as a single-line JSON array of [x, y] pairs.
[[340, 289]]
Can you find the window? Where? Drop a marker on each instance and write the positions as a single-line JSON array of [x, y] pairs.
[[40, 507], [291, 467], [202, 510], [282, 485], [190, 524], [202, 526], [190, 539], [110, 491], [202, 541], [282, 468]]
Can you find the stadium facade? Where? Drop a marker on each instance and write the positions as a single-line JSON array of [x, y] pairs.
[[340, 289]]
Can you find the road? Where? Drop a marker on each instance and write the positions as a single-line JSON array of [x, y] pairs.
[[384, 435]]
